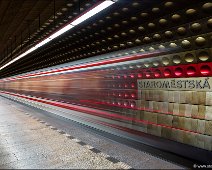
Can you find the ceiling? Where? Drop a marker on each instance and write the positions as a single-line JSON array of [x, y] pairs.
[[25, 22], [21, 18], [148, 24]]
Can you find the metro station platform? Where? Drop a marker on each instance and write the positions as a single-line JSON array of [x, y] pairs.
[[32, 140]]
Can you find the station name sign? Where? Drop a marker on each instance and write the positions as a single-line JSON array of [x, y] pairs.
[[200, 83]]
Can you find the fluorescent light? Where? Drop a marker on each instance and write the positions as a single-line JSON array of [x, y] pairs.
[[56, 34], [20, 56], [61, 31], [92, 12], [43, 42], [79, 20]]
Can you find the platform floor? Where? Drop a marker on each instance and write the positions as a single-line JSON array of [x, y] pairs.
[[28, 141]]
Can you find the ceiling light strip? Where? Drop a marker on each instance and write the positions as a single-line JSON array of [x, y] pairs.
[[92, 12], [66, 28]]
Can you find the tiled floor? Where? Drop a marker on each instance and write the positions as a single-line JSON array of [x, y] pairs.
[[28, 142]]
